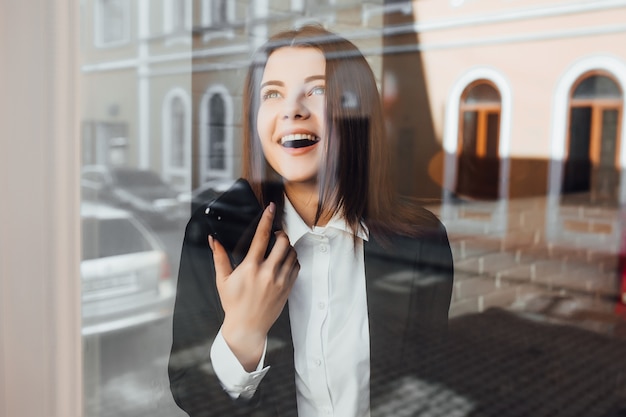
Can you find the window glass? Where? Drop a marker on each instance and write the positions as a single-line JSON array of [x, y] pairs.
[[177, 138], [597, 86], [136, 178], [112, 20], [112, 237], [592, 163], [478, 170], [179, 14], [217, 133], [458, 116], [218, 11], [482, 93]]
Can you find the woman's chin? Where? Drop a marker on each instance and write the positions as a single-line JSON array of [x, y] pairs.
[[299, 179], [298, 172]]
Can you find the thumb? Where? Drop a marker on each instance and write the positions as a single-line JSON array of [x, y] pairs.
[[223, 267]]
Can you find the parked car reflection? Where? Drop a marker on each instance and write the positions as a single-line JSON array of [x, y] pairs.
[[126, 278], [142, 192]]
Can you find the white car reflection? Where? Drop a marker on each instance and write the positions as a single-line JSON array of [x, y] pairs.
[[126, 278], [140, 191]]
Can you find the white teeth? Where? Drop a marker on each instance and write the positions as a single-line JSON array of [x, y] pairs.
[[297, 136]]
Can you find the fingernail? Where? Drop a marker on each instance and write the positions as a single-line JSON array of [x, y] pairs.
[[211, 242], [272, 208]]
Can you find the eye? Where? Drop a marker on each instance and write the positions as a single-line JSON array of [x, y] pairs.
[[270, 94], [318, 91]]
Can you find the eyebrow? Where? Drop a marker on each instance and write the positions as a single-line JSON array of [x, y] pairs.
[[314, 77], [282, 84]]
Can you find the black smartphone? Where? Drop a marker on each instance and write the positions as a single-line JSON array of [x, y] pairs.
[[233, 218]]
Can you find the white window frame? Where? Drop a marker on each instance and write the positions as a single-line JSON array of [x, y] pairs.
[[560, 112], [168, 13], [206, 16], [451, 128], [169, 172], [204, 118], [99, 25]]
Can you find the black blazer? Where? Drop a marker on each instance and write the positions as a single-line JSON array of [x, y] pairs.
[[409, 285]]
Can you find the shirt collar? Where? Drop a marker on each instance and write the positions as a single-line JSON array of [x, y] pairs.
[[296, 228]]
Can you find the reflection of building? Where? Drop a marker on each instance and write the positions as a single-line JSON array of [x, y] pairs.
[[527, 98], [137, 103], [486, 99], [163, 78]]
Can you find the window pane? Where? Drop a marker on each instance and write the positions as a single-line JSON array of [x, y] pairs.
[[580, 133], [608, 137], [578, 165], [217, 133], [597, 86], [178, 101], [113, 20], [178, 133], [219, 12], [179, 14], [493, 134], [470, 120], [482, 93]]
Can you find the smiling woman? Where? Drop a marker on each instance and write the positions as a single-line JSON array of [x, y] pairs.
[[354, 152], [291, 120], [308, 330]]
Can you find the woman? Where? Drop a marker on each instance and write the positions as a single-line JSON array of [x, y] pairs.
[[312, 329]]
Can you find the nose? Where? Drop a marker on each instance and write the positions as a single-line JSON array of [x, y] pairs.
[[295, 108]]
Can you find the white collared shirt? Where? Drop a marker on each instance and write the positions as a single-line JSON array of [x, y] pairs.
[[329, 324]]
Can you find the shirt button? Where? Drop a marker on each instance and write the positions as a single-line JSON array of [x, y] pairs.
[[317, 362], [321, 305], [248, 388], [323, 248]]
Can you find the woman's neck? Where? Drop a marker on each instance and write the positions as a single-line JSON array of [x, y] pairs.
[[304, 198]]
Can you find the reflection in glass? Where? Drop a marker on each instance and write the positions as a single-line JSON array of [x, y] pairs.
[[177, 138], [111, 237], [113, 20], [179, 14], [591, 166], [217, 133], [597, 86], [559, 263], [478, 161]]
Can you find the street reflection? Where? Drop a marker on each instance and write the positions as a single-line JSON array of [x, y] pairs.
[[506, 120]]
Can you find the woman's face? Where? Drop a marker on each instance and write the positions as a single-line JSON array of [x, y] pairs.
[[291, 117]]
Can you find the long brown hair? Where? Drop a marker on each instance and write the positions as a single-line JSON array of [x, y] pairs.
[[355, 180]]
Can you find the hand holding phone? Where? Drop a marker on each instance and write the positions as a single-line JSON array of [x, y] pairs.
[[255, 292], [233, 218]]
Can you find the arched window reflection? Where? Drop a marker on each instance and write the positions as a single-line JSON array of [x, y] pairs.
[[591, 167], [177, 133], [479, 134], [215, 12], [215, 159], [177, 139], [179, 14], [217, 134]]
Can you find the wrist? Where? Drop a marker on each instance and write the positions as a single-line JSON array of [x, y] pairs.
[[247, 345]]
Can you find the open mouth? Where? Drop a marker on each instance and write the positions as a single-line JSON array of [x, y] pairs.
[[299, 140]]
